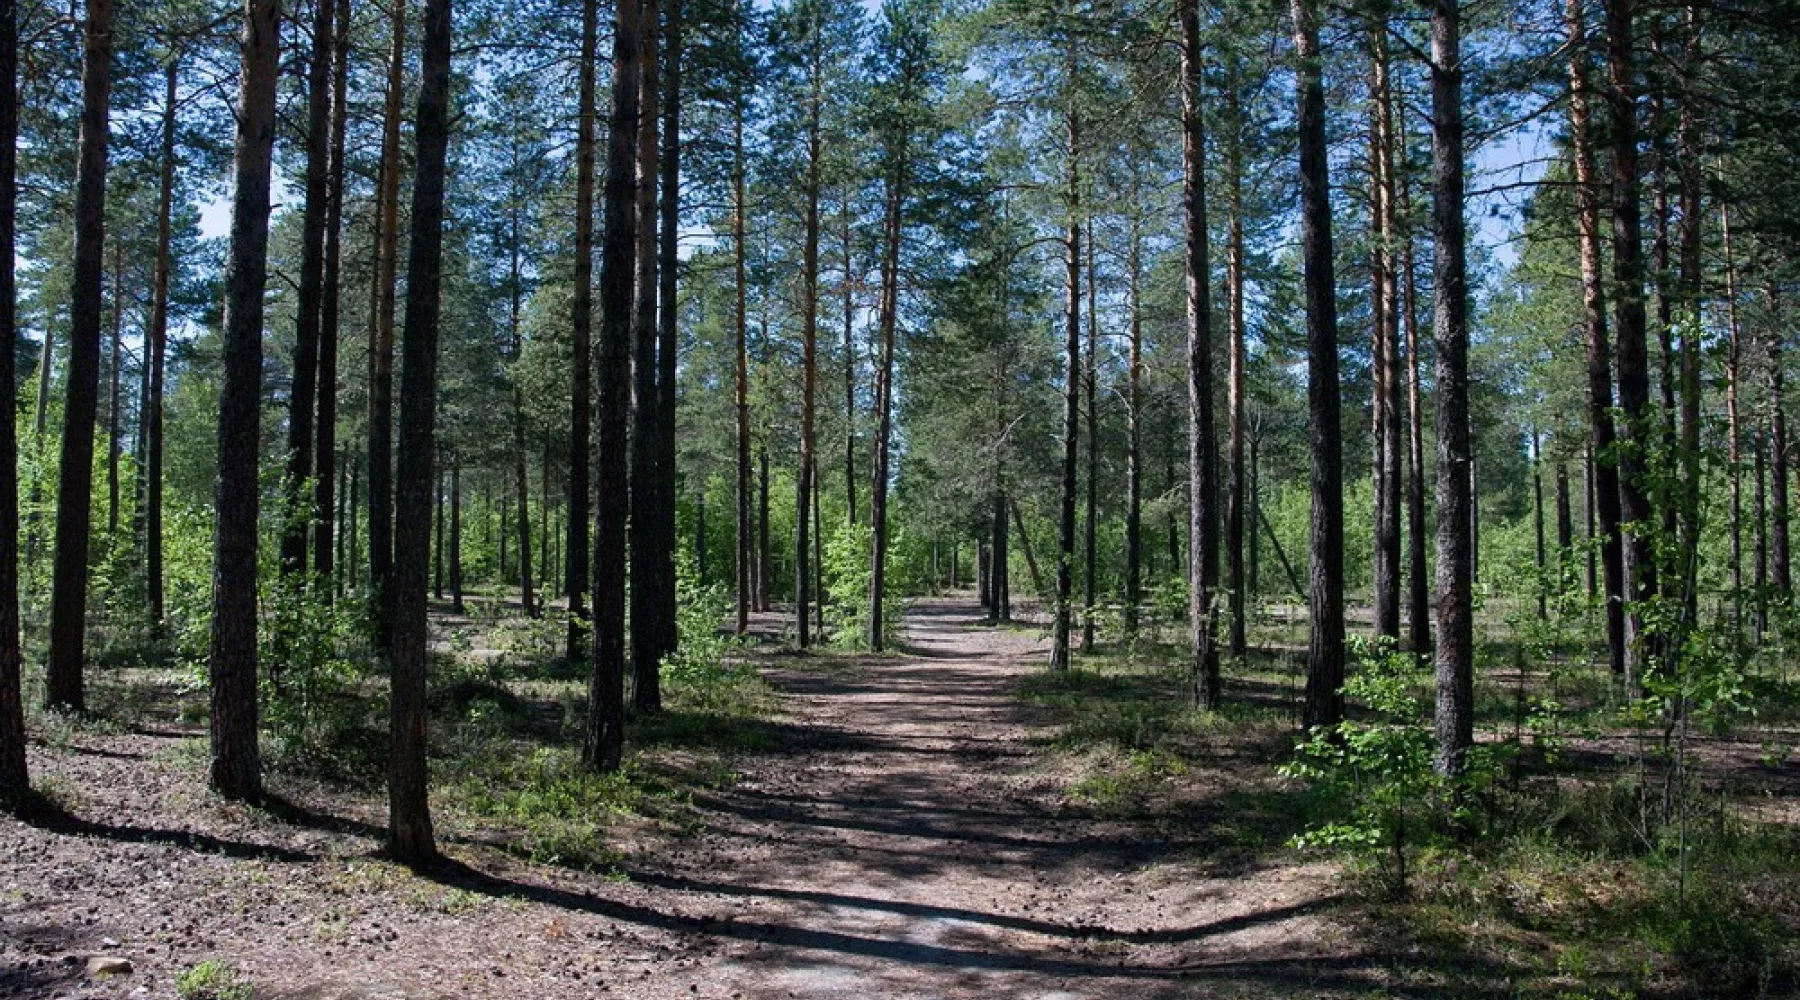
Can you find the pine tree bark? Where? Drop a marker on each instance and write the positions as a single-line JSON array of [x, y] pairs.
[[381, 342], [456, 566], [1455, 652], [521, 475], [314, 214], [741, 352], [1780, 564], [1603, 457], [114, 418], [667, 635], [1071, 430], [645, 554], [157, 338], [330, 301], [409, 813], [1090, 378], [581, 326], [1638, 563], [1235, 332], [1325, 656], [809, 326], [236, 765], [1385, 295], [604, 747], [886, 321], [847, 239], [1734, 458], [1134, 416], [63, 682], [14, 774]]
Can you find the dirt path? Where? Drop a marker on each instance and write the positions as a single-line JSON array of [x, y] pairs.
[[917, 848], [908, 840]]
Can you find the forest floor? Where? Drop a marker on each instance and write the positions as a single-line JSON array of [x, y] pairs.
[[912, 825]]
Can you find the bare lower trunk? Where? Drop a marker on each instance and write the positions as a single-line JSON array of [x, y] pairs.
[[14, 779], [581, 325], [1205, 685], [325, 444], [381, 342]]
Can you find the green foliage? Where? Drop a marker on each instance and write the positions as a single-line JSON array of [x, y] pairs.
[[1382, 770], [213, 980]]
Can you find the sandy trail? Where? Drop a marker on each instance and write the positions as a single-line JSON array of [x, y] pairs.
[[908, 838]]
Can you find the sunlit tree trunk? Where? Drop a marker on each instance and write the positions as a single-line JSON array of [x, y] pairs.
[[381, 340], [329, 309]]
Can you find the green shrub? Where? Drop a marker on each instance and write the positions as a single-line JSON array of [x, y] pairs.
[[213, 980]]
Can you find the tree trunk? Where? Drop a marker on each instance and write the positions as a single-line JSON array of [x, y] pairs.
[[1691, 293], [157, 337], [849, 291], [521, 475], [456, 567], [1537, 515], [765, 561], [1762, 542], [1091, 378], [667, 635], [1603, 460], [809, 327], [1205, 686], [1638, 563], [114, 421], [409, 814], [741, 350], [1385, 294], [1134, 418], [647, 557], [1455, 652], [1733, 429], [1031, 563], [1325, 658], [63, 682], [381, 343], [1234, 403], [312, 281], [1071, 429], [581, 325], [887, 319], [1418, 588], [329, 308], [14, 779], [236, 765], [604, 747]]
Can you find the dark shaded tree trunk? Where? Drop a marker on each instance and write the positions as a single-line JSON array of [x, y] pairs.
[[456, 566], [809, 328], [63, 681], [605, 741], [236, 771], [581, 326], [14, 777], [667, 635], [1780, 565], [849, 293], [1325, 656], [1235, 332], [1418, 588], [1762, 541], [993, 581], [1091, 380], [114, 418], [741, 371], [1602, 457], [1537, 516], [888, 317], [1733, 424], [314, 215], [439, 488], [1134, 416], [381, 343], [521, 475], [646, 554], [1071, 429], [329, 309], [1385, 294], [1638, 563], [157, 338], [765, 560], [1455, 652], [409, 814], [1205, 686]]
